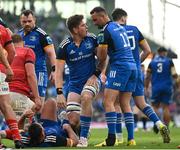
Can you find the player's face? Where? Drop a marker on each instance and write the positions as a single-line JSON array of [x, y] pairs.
[[27, 22], [82, 29], [97, 19]]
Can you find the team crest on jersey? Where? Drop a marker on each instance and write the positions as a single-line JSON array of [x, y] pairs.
[[32, 38], [100, 38], [88, 45], [49, 40]]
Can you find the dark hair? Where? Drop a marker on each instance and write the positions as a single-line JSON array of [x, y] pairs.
[[162, 49], [16, 38], [74, 21], [118, 13], [27, 12], [35, 132], [98, 10]]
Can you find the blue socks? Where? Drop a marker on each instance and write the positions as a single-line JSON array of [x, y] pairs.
[[85, 125]]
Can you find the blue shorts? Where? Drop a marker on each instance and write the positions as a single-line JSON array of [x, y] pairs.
[[121, 79], [77, 88], [162, 96], [42, 80], [53, 127], [139, 90]]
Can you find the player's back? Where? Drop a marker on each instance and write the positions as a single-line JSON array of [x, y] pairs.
[[161, 72], [118, 45], [135, 37], [19, 82]]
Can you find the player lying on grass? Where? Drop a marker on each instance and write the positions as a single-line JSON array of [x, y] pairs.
[[48, 133]]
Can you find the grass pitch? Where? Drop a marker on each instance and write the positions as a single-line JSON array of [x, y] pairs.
[[144, 140]]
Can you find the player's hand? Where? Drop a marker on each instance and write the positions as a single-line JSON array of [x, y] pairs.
[[52, 77], [61, 101], [28, 113], [146, 92], [92, 81], [9, 74], [38, 104], [103, 78]]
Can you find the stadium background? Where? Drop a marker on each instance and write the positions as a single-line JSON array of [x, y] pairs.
[[155, 18]]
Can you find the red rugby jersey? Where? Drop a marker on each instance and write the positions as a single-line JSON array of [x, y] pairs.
[[19, 83]]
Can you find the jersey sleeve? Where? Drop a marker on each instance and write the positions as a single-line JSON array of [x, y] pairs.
[[171, 63], [60, 53], [45, 40], [141, 37], [30, 56], [103, 37], [5, 37]]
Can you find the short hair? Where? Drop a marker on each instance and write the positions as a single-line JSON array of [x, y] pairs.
[[98, 9], [161, 49], [27, 12], [74, 21], [118, 13], [16, 38], [35, 132]]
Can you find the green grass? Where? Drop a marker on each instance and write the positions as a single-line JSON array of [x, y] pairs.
[[144, 140]]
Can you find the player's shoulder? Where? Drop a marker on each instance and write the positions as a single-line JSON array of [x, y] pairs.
[[132, 27], [40, 31], [65, 42], [91, 35]]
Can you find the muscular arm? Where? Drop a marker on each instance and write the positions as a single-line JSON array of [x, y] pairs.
[[102, 55], [59, 73], [3, 59], [50, 51], [73, 139], [146, 50], [11, 52]]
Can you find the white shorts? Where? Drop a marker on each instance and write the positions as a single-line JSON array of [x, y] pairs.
[[4, 87], [20, 103]]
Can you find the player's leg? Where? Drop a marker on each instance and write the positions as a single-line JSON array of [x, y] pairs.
[[88, 93], [8, 112], [124, 99], [119, 134], [10, 119], [148, 110], [128, 115], [49, 110], [20, 103], [73, 111]]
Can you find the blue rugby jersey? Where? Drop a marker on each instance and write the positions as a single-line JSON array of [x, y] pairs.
[[37, 39], [80, 60], [119, 51], [160, 68], [135, 38]]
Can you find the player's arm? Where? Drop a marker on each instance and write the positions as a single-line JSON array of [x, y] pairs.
[[147, 80], [27, 114], [102, 50], [31, 77], [72, 139], [49, 49], [4, 61], [173, 70], [60, 63], [146, 50], [9, 47]]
